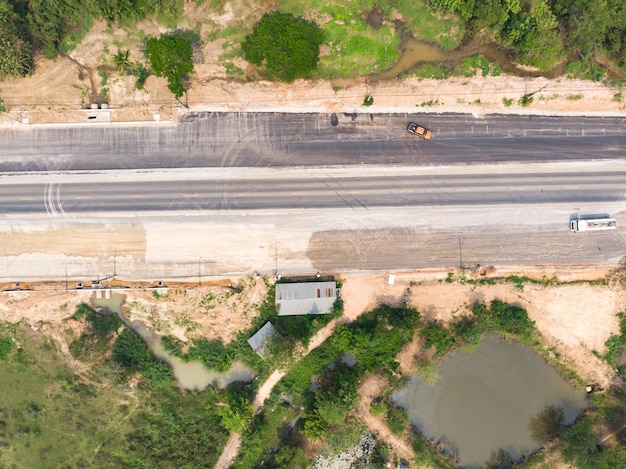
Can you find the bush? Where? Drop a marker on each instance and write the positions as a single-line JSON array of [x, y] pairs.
[[616, 342], [500, 459], [287, 46], [466, 329], [584, 69], [95, 343], [578, 444], [502, 317], [396, 419], [131, 352], [436, 335], [5, 348]]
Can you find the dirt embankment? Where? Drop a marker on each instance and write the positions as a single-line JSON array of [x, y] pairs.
[[575, 319]]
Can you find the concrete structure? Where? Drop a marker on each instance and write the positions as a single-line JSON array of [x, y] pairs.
[[305, 298], [259, 340]]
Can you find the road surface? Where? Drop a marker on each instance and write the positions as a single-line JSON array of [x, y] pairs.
[[232, 189], [279, 140], [293, 194]]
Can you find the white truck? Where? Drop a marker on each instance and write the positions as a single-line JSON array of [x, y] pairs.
[[592, 224]]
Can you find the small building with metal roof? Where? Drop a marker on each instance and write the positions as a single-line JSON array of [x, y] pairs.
[[259, 340], [305, 298]]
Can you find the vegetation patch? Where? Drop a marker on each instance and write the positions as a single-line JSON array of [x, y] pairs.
[[170, 57], [324, 383], [287, 47], [478, 64], [433, 71]]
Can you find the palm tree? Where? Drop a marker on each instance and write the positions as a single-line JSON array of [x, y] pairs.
[[121, 60]]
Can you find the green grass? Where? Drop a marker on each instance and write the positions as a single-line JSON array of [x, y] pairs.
[[50, 416], [428, 25], [71, 40], [478, 64], [357, 49], [432, 70]]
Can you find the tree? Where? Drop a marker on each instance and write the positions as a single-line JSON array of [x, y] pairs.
[[287, 46], [15, 52], [586, 22], [170, 57], [121, 60], [500, 459], [534, 35], [131, 352], [547, 423]]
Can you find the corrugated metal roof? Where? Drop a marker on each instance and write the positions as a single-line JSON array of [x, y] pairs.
[[305, 298], [258, 340]]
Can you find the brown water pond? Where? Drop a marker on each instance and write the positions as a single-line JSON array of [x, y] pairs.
[[484, 400]]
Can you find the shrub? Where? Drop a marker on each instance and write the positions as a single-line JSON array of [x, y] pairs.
[[287, 46], [615, 342], [130, 351], [578, 444], [502, 317], [436, 335], [5, 348]]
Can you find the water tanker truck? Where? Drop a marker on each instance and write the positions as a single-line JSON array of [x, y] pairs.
[[592, 224]]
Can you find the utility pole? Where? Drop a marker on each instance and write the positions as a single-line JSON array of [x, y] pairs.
[[65, 278], [276, 257], [199, 272], [114, 263]]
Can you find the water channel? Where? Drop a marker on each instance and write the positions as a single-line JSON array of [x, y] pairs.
[[191, 376], [483, 400]]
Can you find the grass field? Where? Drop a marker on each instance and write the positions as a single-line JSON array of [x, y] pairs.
[[50, 417], [357, 47]]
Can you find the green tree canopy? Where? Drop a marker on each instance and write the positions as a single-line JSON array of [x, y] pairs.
[[289, 47], [535, 36], [15, 52], [586, 22], [170, 57]]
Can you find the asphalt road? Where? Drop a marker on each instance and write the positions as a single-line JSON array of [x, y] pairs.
[[246, 192], [280, 140], [100, 193]]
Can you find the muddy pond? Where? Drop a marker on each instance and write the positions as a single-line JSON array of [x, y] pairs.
[[483, 401], [191, 376]]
